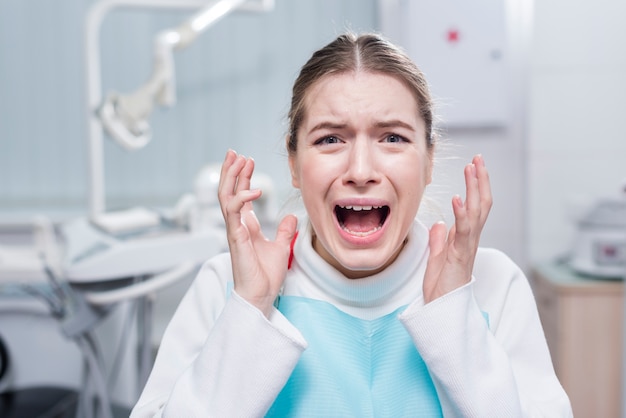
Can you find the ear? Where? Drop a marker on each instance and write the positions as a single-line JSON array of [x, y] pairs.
[[293, 168]]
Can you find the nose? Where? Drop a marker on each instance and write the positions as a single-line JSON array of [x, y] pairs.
[[362, 167]]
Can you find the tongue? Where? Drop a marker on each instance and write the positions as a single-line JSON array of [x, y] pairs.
[[361, 221]]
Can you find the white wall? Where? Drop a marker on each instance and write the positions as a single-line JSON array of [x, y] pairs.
[[502, 144], [576, 141], [565, 145]]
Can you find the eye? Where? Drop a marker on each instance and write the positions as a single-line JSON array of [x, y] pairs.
[[395, 139], [327, 140]]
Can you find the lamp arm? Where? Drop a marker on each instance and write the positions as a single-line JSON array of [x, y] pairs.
[[132, 130], [125, 117]]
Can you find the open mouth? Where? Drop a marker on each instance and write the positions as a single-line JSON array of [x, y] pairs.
[[361, 220]]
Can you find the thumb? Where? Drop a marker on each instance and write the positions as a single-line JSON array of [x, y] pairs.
[[286, 229], [437, 256], [437, 241]]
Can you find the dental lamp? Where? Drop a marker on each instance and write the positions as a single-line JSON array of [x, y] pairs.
[[125, 117], [104, 259]]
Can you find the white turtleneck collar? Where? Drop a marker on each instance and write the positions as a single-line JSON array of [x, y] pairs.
[[369, 297]]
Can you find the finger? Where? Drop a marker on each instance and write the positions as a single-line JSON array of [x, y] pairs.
[[233, 209], [249, 217], [234, 173], [228, 175], [228, 180], [461, 217], [229, 158], [245, 176], [484, 187], [472, 193], [243, 184], [223, 192], [463, 238]]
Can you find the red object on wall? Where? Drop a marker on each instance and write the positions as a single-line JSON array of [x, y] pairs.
[[452, 36]]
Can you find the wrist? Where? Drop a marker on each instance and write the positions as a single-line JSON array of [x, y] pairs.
[[265, 304]]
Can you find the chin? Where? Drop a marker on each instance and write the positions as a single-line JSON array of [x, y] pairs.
[[363, 266]]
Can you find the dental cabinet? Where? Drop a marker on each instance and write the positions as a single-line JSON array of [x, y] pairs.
[[583, 320]]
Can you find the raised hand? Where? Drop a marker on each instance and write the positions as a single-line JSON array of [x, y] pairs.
[[452, 253], [259, 265]]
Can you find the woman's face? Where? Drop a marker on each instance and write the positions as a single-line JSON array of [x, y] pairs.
[[361, 166]]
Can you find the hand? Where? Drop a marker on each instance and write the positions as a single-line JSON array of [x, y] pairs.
[[259, 265], [451, 260]]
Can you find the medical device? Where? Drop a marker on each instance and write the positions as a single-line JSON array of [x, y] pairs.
[[32, 293], [94, 263], [599, 248], [125, 117], [106, 248]]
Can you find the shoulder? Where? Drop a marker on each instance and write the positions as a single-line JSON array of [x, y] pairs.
[[490, 261], [497, 277], [211, 283], [216, 271], [219, 265]]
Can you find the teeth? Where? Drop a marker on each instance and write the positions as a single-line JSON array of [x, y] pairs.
[[358, 208], [361, 233]]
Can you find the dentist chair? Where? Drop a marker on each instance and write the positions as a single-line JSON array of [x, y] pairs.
[[35, 401], [44, 370]]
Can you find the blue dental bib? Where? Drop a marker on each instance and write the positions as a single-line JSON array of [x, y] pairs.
[[353, 367]]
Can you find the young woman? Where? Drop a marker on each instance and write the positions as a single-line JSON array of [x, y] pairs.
[[356, 309]]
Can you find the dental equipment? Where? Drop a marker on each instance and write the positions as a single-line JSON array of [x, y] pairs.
[[125, 118], [96, 262], [24, 285], [109, 246], [137, 242], [599, 248]]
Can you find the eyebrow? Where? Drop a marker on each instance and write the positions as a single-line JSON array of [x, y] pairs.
[[382, 124], [395, 123], [327, 125]]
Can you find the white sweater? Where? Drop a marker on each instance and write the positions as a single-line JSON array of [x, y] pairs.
[[220, 357]]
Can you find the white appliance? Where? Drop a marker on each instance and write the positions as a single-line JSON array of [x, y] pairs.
[[599, 248]]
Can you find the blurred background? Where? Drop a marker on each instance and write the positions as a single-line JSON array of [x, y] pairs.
[[538, 89]]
